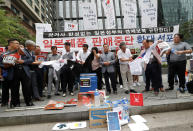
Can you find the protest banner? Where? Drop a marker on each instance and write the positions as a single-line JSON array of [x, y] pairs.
[[96, 38]]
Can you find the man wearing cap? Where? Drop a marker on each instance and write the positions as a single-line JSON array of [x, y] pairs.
[[67, 76], [124, 56], [22, 74]]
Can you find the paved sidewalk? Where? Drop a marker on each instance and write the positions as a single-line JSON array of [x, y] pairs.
[[169, 121], [165, 101]]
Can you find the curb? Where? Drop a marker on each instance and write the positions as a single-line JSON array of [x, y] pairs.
[[84, 115]]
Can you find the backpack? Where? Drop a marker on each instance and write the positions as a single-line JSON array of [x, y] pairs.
[[189, 86]]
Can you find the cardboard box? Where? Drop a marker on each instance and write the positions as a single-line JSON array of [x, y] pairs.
[[98, 117]]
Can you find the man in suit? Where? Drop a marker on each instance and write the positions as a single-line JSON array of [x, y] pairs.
[[22, 74], [152, 66], [107, 60]]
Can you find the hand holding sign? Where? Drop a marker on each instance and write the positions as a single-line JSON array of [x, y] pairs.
[[19, 61]]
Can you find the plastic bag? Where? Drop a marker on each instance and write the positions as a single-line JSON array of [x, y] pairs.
[[136, 66]]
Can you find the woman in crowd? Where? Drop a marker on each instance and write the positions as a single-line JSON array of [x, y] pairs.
[[93, 65]]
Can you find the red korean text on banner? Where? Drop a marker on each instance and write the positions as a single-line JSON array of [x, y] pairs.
[[72, 42], [136, 99], [81, 41], [129, 40], [47, 43], [97, 42], [108, 41], [118, 40], [59, 43]]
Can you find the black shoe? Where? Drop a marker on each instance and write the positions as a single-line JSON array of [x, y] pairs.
[[156, 93], [30, 104], [57, 94], [13, 105], [133, 91], [49, 96], [42, 95], [108, 93], [169, 89], [176, 83], [127, 92], [4, 104], [145, 91], [182, 90], [115, 92], [38, 99]]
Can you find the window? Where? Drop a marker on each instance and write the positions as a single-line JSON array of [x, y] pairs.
[[25, 19], [99, 8], [16, 11], [74, 14], [29, 2], [43, 18], [43, 2], [37, 11], [43, 10], [37, 2], [61, 14], [68, 9]]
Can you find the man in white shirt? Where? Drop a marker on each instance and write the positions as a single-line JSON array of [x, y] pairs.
[[82, 56], [124, 56]]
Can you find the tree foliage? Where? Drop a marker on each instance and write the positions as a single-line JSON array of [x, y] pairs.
[[11, 27], [187, 30]]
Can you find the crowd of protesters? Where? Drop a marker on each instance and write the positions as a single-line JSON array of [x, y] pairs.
[[108, 64]]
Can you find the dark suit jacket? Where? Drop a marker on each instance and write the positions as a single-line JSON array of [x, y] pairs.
[[28, 60], [10, 71], [110, 57]]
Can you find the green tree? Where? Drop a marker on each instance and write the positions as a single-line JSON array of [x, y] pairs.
[[11, 27], [187, 30]]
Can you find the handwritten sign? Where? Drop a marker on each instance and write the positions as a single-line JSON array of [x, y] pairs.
[[89, 15], [148, 10], [129, 9], [110, 14]]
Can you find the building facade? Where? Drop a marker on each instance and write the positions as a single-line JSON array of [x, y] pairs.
[[30, 11], [170, 12], [177, 11]]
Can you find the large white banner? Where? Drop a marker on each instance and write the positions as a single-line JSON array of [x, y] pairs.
[[129, 9], [132, 37], [40, 29], [109, 11], [148, 10], [89, 15], [70, 26]]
